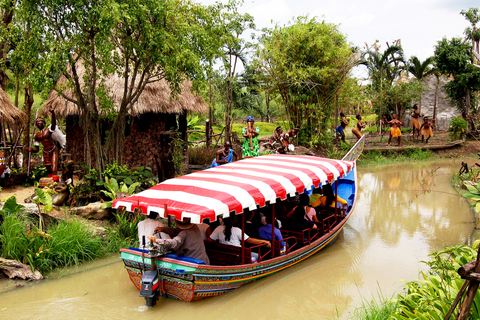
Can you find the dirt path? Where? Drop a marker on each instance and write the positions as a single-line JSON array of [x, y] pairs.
[[21, 193]]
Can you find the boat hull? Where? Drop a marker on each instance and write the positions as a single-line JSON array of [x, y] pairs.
[[189, 281]]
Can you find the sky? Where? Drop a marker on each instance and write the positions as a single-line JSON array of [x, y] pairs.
[[419, 24]]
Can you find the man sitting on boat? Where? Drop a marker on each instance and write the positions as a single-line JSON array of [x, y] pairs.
[[265, 232], [230, 235], [187, 240], [147, 228]]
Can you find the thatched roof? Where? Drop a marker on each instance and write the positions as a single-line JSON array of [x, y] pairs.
[[154, 98], [8, 111]]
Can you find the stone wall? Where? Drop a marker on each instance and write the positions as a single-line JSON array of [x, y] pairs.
[[445, 110]]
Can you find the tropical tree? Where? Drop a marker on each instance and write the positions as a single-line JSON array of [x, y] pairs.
[[140, 41], [235, 49], [473, 33], [454, 58], [383, 68], [420, 70], [306, 63]]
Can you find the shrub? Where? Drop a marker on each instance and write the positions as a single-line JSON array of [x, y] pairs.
[[201, 155], [457, 127]]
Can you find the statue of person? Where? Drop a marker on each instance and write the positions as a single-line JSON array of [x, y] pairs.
[[51, 153], [250, 147]]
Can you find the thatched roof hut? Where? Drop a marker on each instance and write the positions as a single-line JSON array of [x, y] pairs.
[[147, 139], [8, 112], [155, 98]]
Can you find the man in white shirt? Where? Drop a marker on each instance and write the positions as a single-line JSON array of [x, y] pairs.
[[147, 228]]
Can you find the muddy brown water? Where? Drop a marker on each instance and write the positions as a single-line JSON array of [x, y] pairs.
[[403, 213]]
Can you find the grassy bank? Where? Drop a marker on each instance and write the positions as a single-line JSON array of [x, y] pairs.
[[46, 245], [380, 157]]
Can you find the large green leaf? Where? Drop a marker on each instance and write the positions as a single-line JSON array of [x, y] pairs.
[[11, 206], [472, 189], [44, 197]]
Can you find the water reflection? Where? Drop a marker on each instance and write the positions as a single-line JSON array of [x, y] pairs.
[[403, 213]]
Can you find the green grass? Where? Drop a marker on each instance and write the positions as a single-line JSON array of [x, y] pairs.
[[380, 157], [375, 310], [60, 244]]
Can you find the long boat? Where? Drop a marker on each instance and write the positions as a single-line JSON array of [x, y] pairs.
[[234, 189]]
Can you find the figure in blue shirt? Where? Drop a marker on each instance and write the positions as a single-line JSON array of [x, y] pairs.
[[225, 155]]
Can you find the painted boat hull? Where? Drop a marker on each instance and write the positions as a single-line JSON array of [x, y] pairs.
[[189, 281]]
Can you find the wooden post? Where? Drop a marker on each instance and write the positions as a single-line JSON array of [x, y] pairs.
[[472, 290], [208, 136], [273, 231], [243, 238]]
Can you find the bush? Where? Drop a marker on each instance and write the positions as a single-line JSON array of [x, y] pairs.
[[201, 155], [457, 127]]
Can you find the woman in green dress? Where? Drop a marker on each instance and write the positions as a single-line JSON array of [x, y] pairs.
[[250, 146]]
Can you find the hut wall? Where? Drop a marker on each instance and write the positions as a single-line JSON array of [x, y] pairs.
[[76, 140], [146, 143]]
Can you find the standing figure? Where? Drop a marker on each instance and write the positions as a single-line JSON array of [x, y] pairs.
[[250, 146], [415, 122], [343, 124], [426, 129], [225, 155], [395, 129], [51, 153], [357, 131]]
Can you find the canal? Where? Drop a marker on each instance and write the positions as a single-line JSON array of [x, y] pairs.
[[403, 213]]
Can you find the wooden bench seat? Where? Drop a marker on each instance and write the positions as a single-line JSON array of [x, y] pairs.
[[225, 255]]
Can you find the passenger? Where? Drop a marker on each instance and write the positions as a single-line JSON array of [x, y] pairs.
[[265, 232], [252, 223], [343, 124], [357, 131], [311, 214], [230, 235], [297, 222], [328, 199], [225, 155], [204, 230], [395, 129], [426, 129], [187, 239], [147, 228]]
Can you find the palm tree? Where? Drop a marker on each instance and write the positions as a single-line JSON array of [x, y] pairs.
[[383, 67], [420, 70]]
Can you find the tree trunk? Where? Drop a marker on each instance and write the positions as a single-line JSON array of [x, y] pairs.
[[27, 107], [228, 111], [437, 81], [420, 103], [267, 103], [182, 128]]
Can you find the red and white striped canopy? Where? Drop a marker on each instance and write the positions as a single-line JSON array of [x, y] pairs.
[[234, 187]]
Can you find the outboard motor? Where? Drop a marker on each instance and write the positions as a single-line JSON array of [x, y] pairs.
[[150, 288]]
